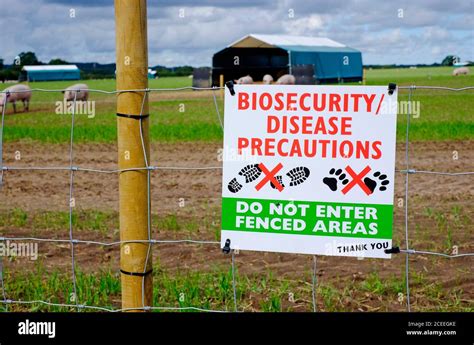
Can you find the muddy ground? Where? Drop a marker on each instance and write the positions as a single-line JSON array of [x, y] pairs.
[[450, 199]]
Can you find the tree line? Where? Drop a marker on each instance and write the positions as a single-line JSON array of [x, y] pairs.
[[89, 70], [92, 70]]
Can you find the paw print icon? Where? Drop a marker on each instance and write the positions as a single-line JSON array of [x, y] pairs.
[[378, 180], [337, 179]]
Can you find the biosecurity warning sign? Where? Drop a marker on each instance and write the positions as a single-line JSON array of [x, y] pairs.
[[309, 169]]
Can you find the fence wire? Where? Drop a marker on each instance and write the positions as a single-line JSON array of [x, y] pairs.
[[151, 241], [407, 163], [71, 202]]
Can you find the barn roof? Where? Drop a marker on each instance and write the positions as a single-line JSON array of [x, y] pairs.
[[289, 42], [42, 68]]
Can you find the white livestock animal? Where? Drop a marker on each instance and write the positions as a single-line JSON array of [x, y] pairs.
[[461, 70], [286, 79], [267, 79], [244, 80], [71, 91], [18, 92]]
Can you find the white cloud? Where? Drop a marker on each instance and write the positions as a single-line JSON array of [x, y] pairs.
[[428, 31], [305, 25]]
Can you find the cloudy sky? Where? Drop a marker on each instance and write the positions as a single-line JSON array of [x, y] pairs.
[[190, 31]]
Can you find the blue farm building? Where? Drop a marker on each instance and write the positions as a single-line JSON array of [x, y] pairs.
[[50, 72]]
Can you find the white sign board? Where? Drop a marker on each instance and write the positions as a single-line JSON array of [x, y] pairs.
[[309, 169]]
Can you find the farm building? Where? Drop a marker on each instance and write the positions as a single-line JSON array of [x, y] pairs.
[[257, 55], [50, 72]]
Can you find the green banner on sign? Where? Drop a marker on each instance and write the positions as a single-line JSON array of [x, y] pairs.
[[307, 218]]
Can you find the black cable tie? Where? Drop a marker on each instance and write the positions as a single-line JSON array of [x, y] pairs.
[[230, 86], [391, 88], [137, 274], [135, 117], [226, 249], [393, 250]]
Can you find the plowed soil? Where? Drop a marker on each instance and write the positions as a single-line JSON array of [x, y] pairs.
[[199, 190]]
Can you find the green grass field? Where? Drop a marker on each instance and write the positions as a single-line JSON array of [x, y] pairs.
[[443, 115], [213, 291], [211, 287]]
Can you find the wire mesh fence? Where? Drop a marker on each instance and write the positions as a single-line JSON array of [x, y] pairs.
[[73, 242]]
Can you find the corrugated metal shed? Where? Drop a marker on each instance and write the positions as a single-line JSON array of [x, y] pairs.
[[277, 54], [272, 41], [51, 72]]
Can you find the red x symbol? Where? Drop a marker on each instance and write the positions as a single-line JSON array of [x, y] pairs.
[[270, 177], [357, 179]]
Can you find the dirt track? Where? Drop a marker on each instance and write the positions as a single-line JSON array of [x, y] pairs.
[[49, 190]]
